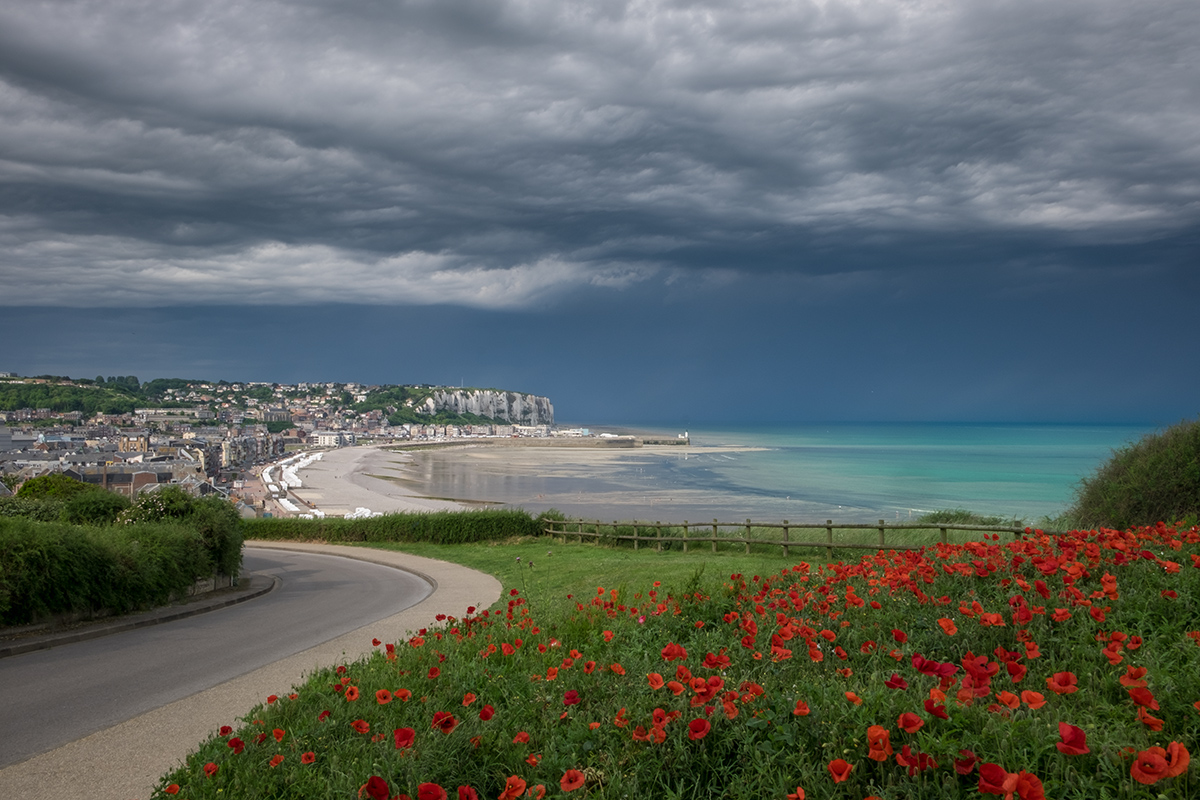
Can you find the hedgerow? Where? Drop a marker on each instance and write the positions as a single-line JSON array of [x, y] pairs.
[[439, 527], [54, 568]]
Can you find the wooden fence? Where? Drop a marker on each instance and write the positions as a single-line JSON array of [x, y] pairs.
[[714, 533]]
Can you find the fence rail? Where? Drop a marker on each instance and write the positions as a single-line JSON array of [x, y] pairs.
[[715, 533]]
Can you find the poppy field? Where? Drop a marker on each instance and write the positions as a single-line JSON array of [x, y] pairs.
[[1056, 666]]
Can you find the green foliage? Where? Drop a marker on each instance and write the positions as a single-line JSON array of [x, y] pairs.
[[279, 426], [107, 399], [55, 568], [442, 527], [37, 510], [10, 479], [1155, 480], [94, 508], [215, 519], [961, 516], [55, 485]]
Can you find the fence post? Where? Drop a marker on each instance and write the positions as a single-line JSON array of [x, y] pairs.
[[658, 535], [785, 538], [714, 539], [635, 535], [685, 531], [581, 531], [943, 529], [747, 537], [881, 524], [829, 539], [616, 541]]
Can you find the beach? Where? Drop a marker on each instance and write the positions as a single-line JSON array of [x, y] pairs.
[[350, 478]]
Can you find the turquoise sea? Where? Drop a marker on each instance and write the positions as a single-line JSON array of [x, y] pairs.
[[847, 472]]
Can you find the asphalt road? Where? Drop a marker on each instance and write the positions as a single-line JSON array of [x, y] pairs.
[[51, 697]]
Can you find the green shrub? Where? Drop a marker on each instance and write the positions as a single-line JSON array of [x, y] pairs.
[[1155, 480], [54, 486], [55, 568], [37, 510], [215, 519], [961, 516], [440, 527], [94, 508]]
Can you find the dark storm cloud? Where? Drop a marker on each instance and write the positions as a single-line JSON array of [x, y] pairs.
[[497, 154]]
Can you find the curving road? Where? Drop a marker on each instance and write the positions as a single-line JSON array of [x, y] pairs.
[[51, 697]]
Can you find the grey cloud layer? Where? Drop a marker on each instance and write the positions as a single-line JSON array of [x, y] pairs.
[[496, 154]]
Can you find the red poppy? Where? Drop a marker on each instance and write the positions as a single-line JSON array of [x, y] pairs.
[[948, 626], [853, 698], [434, 672], [571, 780], [900, 636], [468, 698], [444, 721], [403, 694], [486, 713], [225, 730], [404, 738], [1074, 740], [430, 791], [698, 729], [521, 738], [1008, 699], [656, 680], [896, 682], [617, 668], [237, 745], [383, 697], [514, 787], [1133, 677], [308, 758], [879, 742], [910, 722], [276, 760], [1152, 722], [351, 693], [589, 667], [840, 769], [210, 769], [674, 651], [939, 711], [376, 788], [1034, 700], [796, 795], [1062, 683], [801, 709], [362, 726], [278, 733], [1177, 759], [1143, 697], [467, 793], [571, 698], [172, 789], [965, 763], [1150, 766]]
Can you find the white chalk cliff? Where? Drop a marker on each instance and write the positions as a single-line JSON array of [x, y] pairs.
[[518, 409]]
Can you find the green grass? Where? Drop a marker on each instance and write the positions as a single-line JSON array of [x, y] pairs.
[[791, 632]]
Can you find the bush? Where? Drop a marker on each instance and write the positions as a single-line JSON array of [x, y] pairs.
[[442, 527], [37, 510], [94, 508], [54, 486], [215, 519], [55, 568], [1155, 480]]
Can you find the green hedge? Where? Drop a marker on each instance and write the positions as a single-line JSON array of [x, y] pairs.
[[441, 527], [55, 568]]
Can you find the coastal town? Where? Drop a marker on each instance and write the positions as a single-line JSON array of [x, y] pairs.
[[219, 437]]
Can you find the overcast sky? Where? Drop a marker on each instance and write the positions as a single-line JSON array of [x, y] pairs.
[[667, 211]]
